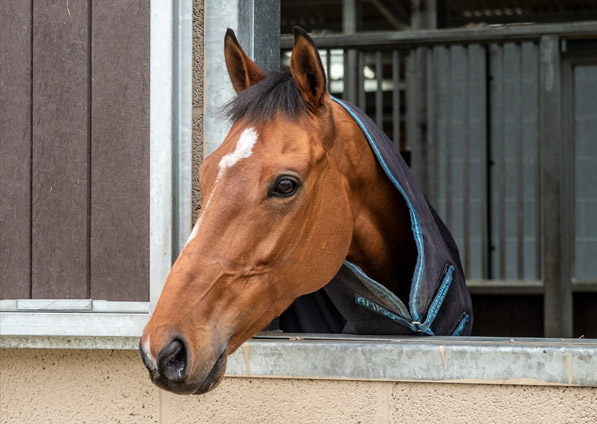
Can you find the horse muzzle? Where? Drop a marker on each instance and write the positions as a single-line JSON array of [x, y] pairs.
[[174, 369]]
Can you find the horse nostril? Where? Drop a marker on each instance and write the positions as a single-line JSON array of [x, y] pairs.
[[172, 361]]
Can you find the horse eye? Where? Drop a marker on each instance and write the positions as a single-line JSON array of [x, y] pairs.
[[285, 187]]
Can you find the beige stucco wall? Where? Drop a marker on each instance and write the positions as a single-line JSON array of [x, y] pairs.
[[109, 386]]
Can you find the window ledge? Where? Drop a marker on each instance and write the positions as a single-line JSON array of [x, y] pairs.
[[111, 322], [474, 360]]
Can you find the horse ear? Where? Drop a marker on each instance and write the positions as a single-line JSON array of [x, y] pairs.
[[242, 70], [307, 69]]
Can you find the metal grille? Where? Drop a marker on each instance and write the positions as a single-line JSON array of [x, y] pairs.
[[478, 106], [480, 116]]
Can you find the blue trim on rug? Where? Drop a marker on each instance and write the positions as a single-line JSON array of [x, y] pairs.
[[464, 319], [438, 300], [420, 265]]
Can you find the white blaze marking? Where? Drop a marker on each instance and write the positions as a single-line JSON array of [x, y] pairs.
[[146, 348], [243, 150]]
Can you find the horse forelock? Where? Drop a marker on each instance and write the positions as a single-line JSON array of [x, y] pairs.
[[276, 93]]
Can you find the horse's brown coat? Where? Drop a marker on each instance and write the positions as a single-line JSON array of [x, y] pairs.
[[253, 253]]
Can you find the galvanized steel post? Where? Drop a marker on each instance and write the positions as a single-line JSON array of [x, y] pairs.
[[556, 272], [257, 27]]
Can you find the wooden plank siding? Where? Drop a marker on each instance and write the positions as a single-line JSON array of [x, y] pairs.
[[60, 141], [120, 153], [15, 148], [74, 163]]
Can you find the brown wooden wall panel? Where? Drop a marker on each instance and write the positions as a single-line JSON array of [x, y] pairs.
[[120, 151], [15, 148], [60, 141]]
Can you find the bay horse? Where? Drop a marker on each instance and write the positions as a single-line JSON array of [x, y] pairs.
[[301, 207]]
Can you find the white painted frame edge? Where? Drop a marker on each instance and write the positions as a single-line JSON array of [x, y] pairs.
[[170, 132]]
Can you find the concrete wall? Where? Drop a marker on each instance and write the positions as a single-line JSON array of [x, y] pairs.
[[112, 386]]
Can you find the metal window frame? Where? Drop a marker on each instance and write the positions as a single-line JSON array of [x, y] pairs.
[[170, 195], [467, 360]]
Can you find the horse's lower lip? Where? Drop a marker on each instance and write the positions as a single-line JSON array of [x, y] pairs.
[[215, 372]]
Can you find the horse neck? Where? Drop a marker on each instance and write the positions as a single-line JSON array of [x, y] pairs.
[[383, 244]]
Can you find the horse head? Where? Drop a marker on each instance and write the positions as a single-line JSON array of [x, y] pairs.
[[276, 222]]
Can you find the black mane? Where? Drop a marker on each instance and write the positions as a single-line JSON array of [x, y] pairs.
[[276, 93]]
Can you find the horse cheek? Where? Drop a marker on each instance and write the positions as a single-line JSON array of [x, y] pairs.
[[332, 236]]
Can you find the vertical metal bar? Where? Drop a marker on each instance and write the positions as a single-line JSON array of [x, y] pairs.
[[432, 100], [350, 77], [350, 18], [568, 146], [378, 89], [182, 123], [556, 272], [485, 132], [423, 16], [410, 115], [567, 158], [328, 67], [362, 95], [258, 24], [419, 154], [161, 145], [519, 164], [501, 162], [449, 135], [466, 168], [260, 33], [537, 170], [396, 98]]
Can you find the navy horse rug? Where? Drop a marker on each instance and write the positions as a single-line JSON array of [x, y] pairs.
[[353, 303]]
